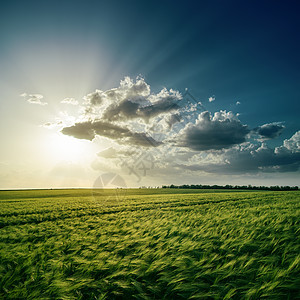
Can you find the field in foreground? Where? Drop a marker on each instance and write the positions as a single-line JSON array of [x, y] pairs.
[[149, 244]]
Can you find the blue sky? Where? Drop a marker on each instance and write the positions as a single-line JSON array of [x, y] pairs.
[[244, 55]]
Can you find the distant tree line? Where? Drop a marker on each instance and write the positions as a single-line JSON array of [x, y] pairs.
[[231, 187]]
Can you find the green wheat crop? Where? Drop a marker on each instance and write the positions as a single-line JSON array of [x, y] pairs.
[[149, 244]]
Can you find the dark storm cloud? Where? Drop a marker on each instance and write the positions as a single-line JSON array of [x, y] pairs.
[[82, 130], [122, 111], [223, 130], [269, 131], [127, 109], [89, 129], [251, 158], [162, 106]]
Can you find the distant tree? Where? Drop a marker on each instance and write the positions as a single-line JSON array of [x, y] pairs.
[[236, 187]]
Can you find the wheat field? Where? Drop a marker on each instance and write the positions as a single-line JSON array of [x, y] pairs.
[[149, 244]]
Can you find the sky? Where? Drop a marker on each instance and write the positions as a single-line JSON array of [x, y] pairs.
[[149, 93]]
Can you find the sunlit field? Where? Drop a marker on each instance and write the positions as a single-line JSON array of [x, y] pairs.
[[149, 244]]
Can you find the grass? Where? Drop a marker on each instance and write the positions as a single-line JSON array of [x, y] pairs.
[[149, 244]]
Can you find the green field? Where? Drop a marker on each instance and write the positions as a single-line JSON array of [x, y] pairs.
[[149, 244]]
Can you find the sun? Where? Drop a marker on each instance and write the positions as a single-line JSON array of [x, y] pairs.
[[60, 147]]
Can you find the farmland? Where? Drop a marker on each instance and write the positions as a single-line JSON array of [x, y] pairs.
[[149, 244]]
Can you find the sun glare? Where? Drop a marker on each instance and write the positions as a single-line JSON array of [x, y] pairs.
[[65, 148]]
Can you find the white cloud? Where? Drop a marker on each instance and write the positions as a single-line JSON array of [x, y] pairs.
[[51, 125], [124, 113], [134, 91], [293, 144], [212, 98], [131, 100], [34, 98], [178, 132], [108, 153], [71, 101], [95, 98]]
